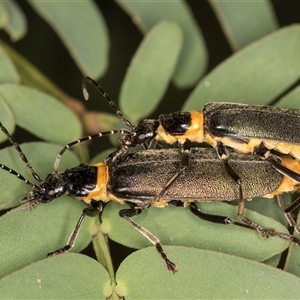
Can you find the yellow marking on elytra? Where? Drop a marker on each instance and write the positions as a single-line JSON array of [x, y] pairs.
[[287, 184], [249, 147]]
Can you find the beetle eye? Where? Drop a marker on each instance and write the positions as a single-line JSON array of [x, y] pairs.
[[51, 193], [142, 137]]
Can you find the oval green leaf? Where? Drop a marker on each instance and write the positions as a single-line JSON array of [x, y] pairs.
[[292, 264], [291, 100], [8, 71], [41, 114], [28, 236], [83, 31], [16, 25], [178, 226], [273, 261], [150, 71], [32, 77], [69, 276], [193, 58], [254, 75], [102, 155], [3, 15], [202, 274], [237, 17], [99, 122], [269, 208], [6, 118]]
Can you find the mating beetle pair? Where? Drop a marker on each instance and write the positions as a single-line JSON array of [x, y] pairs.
[[158, 177], [245, 128], [136, 178]]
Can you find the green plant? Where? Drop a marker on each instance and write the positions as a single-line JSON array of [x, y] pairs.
[[214, 261]]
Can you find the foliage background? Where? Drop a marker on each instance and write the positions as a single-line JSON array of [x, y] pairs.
[[44, 50]]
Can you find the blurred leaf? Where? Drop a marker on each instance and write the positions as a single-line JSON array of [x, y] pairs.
[[193, 58], [102, 155], [82, 29], [16, 25], [150, 71], [8, 71], [244, 22], [292, 264], [3, 15], [41, 156], [115, 138], [202, 274], [95, 122], [254, 75], [31, 76], [178, 226], [291, 100], [69, 276], [28, 236], [41, 114], [6, 118]]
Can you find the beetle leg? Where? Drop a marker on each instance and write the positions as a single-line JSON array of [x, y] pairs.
[[91, 211], [127, 214]]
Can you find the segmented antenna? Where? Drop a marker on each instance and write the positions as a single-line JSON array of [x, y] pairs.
[[115, 108], [111, 103], [24, 159], [87, 138]]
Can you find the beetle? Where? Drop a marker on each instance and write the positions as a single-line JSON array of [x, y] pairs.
[[245, 128], [135, 179]]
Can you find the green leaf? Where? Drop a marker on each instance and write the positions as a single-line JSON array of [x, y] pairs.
[[28, 236], [41, 156], [102, 155], [244, 22], [94, 122], [254, 75], [202, 274], [6, 118], [16, 25], [8, 71], [269, 208], [292, 261], [291, 100], [3, 15], [41, 114], [69, 276], [32, 77], [100, 121], [193, 59], [273, 261], [150, 71], [82, 29], [178, 226]]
